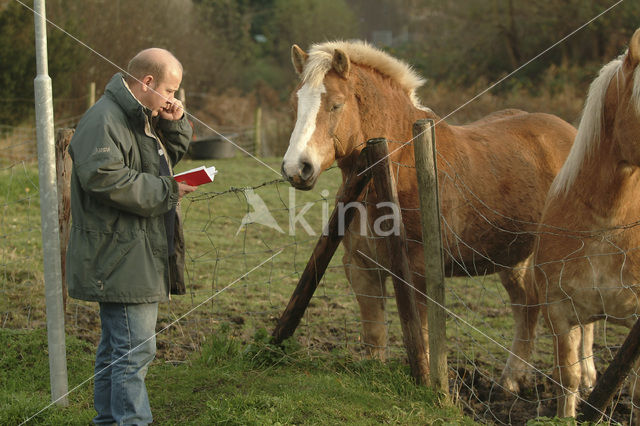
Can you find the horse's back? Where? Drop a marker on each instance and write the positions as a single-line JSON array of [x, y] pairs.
[[550, 136], [511, 133], [536, 122], [503, 168], [543, 138], [497, 115]]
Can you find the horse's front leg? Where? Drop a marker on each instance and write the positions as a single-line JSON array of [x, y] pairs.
[[368, 285], [588, 366], [525, 311], [567, 368]]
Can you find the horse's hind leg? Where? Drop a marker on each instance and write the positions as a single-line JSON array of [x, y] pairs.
[[525, 313], [368, 285]]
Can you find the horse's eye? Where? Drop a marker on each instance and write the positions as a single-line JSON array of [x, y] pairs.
[[336, 107]]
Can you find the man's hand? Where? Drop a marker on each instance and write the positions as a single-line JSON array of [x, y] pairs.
[[173, 110], [183, 189]]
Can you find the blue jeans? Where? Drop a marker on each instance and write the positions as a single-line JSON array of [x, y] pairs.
[[127, 347]]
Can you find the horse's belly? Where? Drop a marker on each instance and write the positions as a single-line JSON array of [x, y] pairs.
[[470, 248], [485, 254], [476, 244], [591, 285]]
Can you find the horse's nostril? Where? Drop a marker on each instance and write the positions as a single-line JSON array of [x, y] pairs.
[[307, 170]]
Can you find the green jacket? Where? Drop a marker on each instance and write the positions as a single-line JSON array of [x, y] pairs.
[[118, 245]]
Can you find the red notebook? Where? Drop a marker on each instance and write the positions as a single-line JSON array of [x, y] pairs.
[[198, 176]]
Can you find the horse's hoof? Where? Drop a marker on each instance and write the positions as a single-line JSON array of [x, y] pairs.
[[588, 380], [378, 355], [512, 384]]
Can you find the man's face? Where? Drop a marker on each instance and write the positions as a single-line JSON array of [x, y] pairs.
[[160, 94]]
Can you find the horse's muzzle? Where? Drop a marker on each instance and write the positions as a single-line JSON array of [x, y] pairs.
[[303, 178]]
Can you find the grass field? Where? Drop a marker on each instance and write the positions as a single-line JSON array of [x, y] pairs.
[[208, 369], [226, 382]]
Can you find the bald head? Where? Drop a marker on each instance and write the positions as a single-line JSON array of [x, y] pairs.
[[155, 62], [154, 77]]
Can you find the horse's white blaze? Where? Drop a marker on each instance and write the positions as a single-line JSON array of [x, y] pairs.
[[309, 100]]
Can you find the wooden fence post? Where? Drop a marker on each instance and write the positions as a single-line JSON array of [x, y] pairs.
[[91, 96], [609, 383], [322, 254], [63, 172], [386, 190], [425, 154], [257, 134], [182, 97]]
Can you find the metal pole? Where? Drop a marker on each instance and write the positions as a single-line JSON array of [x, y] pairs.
[[49, 214]]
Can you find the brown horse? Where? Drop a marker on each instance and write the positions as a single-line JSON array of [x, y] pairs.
[[493, 177], [587, 263]]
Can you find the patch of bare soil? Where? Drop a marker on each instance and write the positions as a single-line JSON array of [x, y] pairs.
[[483, 399]]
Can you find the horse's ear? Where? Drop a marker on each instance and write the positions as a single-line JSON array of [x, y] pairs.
[[298, 57], [341, 63], [634, 48]]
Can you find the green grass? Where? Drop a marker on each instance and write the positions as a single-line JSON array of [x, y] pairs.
[[323, 383], [20, 247], [227, 382], [219, 252], [24, 374]]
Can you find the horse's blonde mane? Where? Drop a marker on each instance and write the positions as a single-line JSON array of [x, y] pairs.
[[590, 128], [360, 52]]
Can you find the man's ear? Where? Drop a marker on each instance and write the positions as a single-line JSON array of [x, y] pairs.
[[298, 58], [341, 63], [146, 82]]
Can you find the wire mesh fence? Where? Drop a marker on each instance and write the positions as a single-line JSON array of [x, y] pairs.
[[256, 215], [226, 237], [18, 144]]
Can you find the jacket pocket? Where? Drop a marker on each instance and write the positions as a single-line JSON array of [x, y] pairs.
[[91, 258], [114, 260]]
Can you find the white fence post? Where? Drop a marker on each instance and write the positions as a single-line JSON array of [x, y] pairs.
[[49, 213]]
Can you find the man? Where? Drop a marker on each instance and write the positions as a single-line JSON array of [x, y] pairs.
[[125, 248]]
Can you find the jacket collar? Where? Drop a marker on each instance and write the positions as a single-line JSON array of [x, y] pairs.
[[118, 91]]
